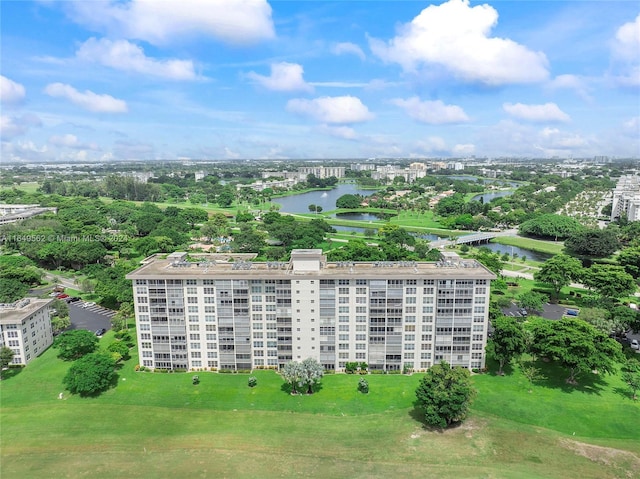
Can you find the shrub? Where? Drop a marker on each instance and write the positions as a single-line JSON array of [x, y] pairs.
[[350, 367], [363, 386], [252, 382]]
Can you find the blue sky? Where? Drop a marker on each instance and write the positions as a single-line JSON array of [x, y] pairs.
[[233, 79]]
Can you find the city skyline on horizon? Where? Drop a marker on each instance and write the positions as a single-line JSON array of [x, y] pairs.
[[257, 80]]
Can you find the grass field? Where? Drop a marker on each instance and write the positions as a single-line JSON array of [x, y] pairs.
[[159, 425]]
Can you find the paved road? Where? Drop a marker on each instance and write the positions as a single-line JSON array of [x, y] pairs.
[[67, 283]]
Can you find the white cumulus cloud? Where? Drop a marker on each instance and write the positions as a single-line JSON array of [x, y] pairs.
[[11, 92], [284, 77], [456, 37], [626, 54], [432, 112], [432, 144], [88, 100], [161, 22], [549, 112], [626, 44], [344, 132], [464, 149], [348, 48], [12, 126], [571, 82], [71, 141], [126, 56], [331, 109]]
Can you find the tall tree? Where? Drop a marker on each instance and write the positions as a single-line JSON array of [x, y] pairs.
[[559, 271], [248, 240], [507, 342], [6, 356], [193, 216], [532, 301], [292, 373], [90, 374], [596, 243], [75, 344], [312, 372], [445, 395], [60, 323], [579, 348], [599, 318], [12, 290], [349, 201], [551, 226], [631, 376], [609, 281], [629, 259]]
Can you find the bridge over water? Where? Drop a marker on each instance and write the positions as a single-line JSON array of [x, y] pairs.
[[475, 238]]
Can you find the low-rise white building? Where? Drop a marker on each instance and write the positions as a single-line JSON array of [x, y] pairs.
[[25, 327]]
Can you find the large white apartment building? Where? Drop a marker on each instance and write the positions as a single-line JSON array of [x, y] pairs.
[[25, 327], [322, 171], [211, 312], [626, 198]]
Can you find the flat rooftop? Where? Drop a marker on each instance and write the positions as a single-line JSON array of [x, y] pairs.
[[21, 309], [218, 266]]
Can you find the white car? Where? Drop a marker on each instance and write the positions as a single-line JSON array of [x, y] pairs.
[[634, 344], [87, 305]]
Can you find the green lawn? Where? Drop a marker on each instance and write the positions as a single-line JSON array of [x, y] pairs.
[[160, 425]]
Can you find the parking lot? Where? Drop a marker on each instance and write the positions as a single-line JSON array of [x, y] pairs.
[[556, 311], [92, 317], [549, 311]]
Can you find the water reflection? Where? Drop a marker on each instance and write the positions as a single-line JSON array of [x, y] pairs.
[[515, 250], [487, 197], [326, 199], [359, 216]]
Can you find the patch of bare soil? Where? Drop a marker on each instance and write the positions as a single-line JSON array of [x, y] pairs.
[[623, 461]]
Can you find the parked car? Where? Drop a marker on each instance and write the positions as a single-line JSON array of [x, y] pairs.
[[572, 312], [635, 344], [87, 305], [72, 299], [62, 296], [100, 332]]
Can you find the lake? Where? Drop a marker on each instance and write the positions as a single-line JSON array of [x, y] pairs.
[[327, 199], [513, 250], [487, 197], [357, 217]]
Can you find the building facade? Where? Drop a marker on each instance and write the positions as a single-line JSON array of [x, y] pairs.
[[626, 198], [25, 327], [322, 172], [210, 312]]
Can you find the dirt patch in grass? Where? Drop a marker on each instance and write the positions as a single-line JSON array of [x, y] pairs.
[[622, 461]]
